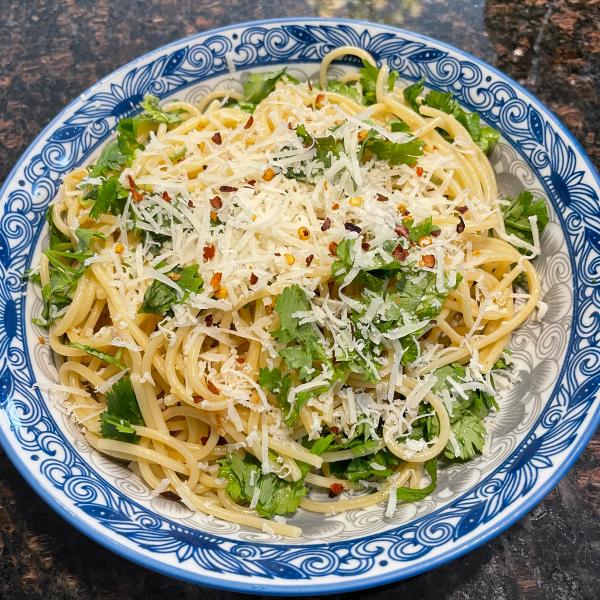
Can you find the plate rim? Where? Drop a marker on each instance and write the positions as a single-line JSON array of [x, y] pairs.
[[282, 587]]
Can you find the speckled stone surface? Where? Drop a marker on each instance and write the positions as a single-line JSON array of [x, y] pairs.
[[51, 51]]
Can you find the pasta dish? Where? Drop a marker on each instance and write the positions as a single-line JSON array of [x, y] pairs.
[[298, 296]]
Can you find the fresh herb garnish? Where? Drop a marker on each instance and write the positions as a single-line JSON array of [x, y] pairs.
[[466, 421], [346, 89], [86, 238], [517, 212], [276, 496], [368, 81], [395, 153], [153, 112], [109, 358], [160, 297], [407, 494], [121, 413], [484, 136]]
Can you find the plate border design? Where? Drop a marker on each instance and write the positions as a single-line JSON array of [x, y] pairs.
[[51, 464]]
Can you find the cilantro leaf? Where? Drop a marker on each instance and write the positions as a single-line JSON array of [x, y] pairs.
[[278, 385], [470, 433], [485, 137], [373, 467], [276, 496], [109, 358], [121, 413], [153, 112], [399, 126], [292, 300], [86, 237], [160, 297], [368, 81], [517, 213], [417, 294], [468, 412], [321, 444], [421, 229], [346, 89], [65, 267], [110, 197], [412, 92], [407, 494], [405, 153], [111, 160], [443, 101], [326, 147], [259, 85]]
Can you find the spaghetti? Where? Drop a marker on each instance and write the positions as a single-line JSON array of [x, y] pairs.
[[290, 290]]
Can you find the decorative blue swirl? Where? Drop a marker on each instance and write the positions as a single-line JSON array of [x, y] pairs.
[[30, 431]]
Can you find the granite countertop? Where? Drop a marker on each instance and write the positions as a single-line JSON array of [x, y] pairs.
[[52, 51]]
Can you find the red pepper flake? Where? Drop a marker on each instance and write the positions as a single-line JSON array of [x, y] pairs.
[[240, 360], [365, 246], [212, 387], [401, 230], [436, 232], [190, 204], [169, 495], [249, 122], [253, 278], [208, 252], [461, 225], [352, 227], [166, 197], [251, 182], [291, 127], [400, 253], [132, 188], [204, 440], [335, 429], [228, 188], [216, 138], [381, 198], [215, 280], [309, 259], [277, 253], [429, 260], [332, 248], [216, 202], [319, 99], [335, 206], [208, 320], [326, 224], [197, 399], [335, 489], [419, 171], [462, 209]]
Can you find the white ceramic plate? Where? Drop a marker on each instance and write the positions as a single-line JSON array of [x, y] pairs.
[[544, 422]]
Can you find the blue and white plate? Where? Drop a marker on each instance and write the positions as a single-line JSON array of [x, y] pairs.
[[543, 425]]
